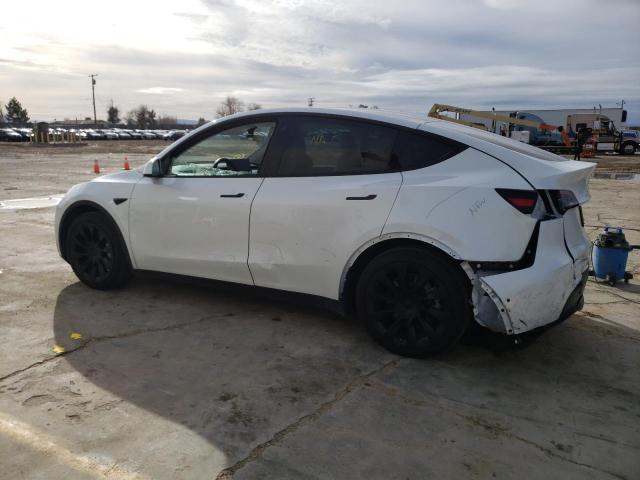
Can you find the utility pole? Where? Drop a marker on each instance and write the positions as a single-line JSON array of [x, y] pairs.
[[93, 95]]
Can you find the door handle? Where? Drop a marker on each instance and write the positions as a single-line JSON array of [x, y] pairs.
[[368, 197], [232, 195]]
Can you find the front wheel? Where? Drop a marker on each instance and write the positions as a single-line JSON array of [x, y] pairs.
[[413, 302], [96, 253]]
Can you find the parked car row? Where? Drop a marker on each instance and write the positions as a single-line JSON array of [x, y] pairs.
[[15, 134], [26, 134], [122, 134]]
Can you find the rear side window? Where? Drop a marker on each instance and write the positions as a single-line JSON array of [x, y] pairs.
[[327, 146], [414, 150]]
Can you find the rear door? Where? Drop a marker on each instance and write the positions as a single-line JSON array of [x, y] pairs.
[[330, 191]]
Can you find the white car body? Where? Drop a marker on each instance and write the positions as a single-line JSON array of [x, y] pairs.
[[299, 233]]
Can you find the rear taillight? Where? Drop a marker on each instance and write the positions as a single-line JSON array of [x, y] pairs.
[[523, 200], [563, 200]]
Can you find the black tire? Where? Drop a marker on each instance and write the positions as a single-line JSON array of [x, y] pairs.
[[96, 252], [628, 148], [413, 302]]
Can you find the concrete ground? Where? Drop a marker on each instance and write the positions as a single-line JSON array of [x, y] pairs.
[[178, 379]]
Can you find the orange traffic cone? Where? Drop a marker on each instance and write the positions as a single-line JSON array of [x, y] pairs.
[[126, 164], [96, 167]]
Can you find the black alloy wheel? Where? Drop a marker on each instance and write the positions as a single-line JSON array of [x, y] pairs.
[[92, 252], [96, 253], [413, 302]]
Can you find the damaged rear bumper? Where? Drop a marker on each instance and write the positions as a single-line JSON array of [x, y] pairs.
[[548, 290]]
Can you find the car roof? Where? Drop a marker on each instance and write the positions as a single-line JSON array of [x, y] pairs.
[[393, 117], [482, 140], [485, 141]]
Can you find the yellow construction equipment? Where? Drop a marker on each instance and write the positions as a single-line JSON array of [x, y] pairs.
[[602, 134], [438, 109]]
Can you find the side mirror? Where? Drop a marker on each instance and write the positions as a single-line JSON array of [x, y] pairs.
[[152, 168]]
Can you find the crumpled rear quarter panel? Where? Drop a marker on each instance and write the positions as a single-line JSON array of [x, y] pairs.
[[577, 241], [535, 296]]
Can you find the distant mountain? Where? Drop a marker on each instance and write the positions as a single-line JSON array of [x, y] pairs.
[[186, 122]]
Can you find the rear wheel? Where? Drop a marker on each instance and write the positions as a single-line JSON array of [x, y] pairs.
[[96, 252], [413, 302], [628, 148]]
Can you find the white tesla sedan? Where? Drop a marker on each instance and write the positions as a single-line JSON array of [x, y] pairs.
[[420, 226]]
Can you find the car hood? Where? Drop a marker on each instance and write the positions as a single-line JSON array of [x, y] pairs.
[[124, 176]]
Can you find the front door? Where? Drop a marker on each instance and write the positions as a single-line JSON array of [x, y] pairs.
[[195, 219]]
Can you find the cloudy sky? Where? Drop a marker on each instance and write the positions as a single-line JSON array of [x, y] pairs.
[[182, 57]]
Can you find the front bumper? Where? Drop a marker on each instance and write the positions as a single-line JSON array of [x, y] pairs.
[[550, 289]]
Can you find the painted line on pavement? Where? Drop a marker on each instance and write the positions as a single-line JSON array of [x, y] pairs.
[[43, 443], [34, 202]]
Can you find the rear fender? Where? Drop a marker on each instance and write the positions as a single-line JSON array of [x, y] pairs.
[[393, 236], [455, 203]]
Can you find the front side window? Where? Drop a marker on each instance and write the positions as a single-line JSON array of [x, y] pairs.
[[325, 146], [237, 151]]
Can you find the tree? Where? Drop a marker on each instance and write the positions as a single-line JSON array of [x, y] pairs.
[[254, 106], [150, 118], [113, 114], [130, 119], [201, 121], [1, 115], [15, 112], [142, 117], [229, 106], [167, 122]]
